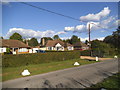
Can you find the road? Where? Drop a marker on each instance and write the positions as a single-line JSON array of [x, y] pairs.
[[77, 77]]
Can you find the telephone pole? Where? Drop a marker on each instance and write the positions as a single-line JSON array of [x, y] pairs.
[[89, 32], [89, 39]]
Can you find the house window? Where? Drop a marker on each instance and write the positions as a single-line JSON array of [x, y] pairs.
[[69, 48], [23, 50], [1, 50], [59, 48], [49, 48]]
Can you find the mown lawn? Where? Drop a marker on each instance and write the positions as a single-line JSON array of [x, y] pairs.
[[112, 82], [15, 72]]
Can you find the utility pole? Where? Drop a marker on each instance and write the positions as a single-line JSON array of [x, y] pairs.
[[89, 32], [89, 39]]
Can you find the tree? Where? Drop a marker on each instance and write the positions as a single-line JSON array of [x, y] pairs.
[[33, 42], [86, 42], [114, 39], [1, 38], [67, 40], [46, 39], [74, 39], [16, 36], [100, 48], [56, 37]]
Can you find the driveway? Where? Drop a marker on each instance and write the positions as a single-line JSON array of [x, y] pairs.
[[77, 77]]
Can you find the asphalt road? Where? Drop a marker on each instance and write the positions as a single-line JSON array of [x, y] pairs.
[[77, 77]]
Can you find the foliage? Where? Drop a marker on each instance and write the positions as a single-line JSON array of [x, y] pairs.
[[74, 39], [33, 42], [16, 36], [56, 37], [86, 42], [110, 82], [85, 53], [101, 49], [114, 39], [1, 38], [7, 51], [46, 39], [67, 40], [37, 58]]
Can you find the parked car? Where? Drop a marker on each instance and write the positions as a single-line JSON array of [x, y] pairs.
[[40, 51]]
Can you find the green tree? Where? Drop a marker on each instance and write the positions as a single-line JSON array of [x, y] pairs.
[[67, 41], [16, 36], [46, 39], [86, 42], [1, 38], [114, 39], [100, 48], [56, 37], [33, 42], [74, 39]]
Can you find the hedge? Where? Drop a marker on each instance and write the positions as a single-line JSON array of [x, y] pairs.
[[37, 58], [85, 53], [95, 53]]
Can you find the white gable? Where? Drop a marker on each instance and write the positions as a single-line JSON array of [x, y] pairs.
[[58, 45]]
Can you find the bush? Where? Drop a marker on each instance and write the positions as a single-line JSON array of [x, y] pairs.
[[85, 53], [37, 58]]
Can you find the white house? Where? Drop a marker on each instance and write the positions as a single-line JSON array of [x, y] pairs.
[[58, 45], [80, 46], [15, 46]]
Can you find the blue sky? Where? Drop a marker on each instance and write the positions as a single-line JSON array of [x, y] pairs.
[[31, 22]]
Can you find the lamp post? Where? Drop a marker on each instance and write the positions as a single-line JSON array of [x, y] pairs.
[[89, 38]]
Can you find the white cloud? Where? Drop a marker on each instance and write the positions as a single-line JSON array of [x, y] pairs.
[[84, 39], [61, 32], [93, 25], [69, 29], [108, 23], [100, 38], [28, 33], [96, 17], [5, 2], [115, 24], [64, 38], [80, 28]]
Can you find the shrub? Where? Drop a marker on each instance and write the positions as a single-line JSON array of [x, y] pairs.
[[37, 58], [85, 53]]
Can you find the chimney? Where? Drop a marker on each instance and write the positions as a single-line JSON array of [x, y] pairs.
[[27, 42], [43, 41]]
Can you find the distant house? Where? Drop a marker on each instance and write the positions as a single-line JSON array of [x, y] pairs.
[[34, 49], [80, 46], [58, 45], [15, 46]]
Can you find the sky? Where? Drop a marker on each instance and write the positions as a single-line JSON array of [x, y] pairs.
[[32, 22]]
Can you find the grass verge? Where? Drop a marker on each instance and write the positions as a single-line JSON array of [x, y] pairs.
[[110, 82], [15, 72]]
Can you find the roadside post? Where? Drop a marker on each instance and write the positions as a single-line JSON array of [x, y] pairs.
[[96, 59]]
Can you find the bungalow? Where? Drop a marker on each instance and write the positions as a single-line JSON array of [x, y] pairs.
[[58, 45], [80, 46], [15, 46], [34, 49]]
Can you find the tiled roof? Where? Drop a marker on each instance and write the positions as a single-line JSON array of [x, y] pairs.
[[52, 43], [80, 44], [12, 43]]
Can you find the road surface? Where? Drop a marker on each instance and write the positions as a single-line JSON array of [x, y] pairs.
[[77, 77]]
